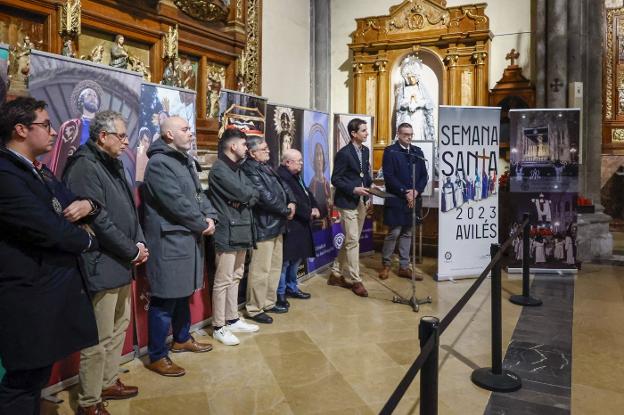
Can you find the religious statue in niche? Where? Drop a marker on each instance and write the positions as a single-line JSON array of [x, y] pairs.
[[119, 54], [216, 81], [187, 73], [19, 67], [68, 48], [136, 65], [413, 103], [542, 208]]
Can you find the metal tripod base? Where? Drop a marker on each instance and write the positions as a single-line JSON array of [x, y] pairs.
[[413, 301], [526, 301], [507, 381]]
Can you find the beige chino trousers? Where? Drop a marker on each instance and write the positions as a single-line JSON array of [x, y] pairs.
[[230, 269], [347, 263], [264, 274]]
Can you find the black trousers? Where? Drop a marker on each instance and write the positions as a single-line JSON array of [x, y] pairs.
[[20, 391]]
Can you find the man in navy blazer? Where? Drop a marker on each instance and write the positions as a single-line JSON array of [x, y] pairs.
[[397, 165], [45, 312], [351, 178]]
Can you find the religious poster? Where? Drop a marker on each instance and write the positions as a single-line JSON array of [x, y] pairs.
[[341, 133], [544, 154], [317, 176], [544, 183], [284, 129], [341, 139], [159, 102], [243, 111], [552, 235], [75, 90], [468, 168], [4, 76]]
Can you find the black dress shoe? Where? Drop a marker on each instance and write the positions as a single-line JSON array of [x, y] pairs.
[[281, 300], [262, 318], [299, 294], [277, 309]]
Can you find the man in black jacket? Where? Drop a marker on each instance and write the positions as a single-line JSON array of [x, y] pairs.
[[298, 240], [95, 171], [45, 313], [351, 178], [275, 206], [232, 195]]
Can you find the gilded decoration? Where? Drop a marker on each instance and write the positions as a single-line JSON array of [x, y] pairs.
[[417, 17], [610, 62], [69, 18], [371, 95], [19, 67], [470, 13], [617, 135], [466, 88], [252, 48], [239, 9], [204, 10], [216, 81]]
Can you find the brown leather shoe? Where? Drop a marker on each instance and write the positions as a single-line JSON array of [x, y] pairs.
[[359, 289], [384, 273], [191, 346], [338, 281], [119, 391], [407, 273], [166, 367], [97, 409]]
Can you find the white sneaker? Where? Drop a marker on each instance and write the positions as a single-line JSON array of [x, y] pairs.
[[241, 326], [225, 336]]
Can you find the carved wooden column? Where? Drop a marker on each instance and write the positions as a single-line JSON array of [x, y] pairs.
[[359, 88], [481, 87], [382, 119], [454, 83]]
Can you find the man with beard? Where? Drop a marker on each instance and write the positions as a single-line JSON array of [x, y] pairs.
[[85, 100]]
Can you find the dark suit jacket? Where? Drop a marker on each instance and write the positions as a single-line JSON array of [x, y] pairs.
[[298, 241], [45, 312], [346, 175], [397, 171]]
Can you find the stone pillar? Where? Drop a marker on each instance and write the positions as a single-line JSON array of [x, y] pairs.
[[320, 59], [557, 54], [539, 69]]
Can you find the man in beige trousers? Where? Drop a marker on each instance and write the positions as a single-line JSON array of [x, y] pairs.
[[274, 208]]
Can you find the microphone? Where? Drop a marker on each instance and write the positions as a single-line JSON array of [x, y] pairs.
[[416, 156]]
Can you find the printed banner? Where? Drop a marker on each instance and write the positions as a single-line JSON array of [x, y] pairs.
[[468, 168], [284, 130], [4, 77], [243, 111], [544, 183]]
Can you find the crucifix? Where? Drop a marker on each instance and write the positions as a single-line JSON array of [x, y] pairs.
[[484, 158], [556, 84], [512, 56]]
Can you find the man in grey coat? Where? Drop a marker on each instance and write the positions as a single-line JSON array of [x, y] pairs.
[[95, 172], [177, 217]]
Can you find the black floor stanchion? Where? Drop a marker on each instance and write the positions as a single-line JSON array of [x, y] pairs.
[[429, 326], [525, 299], [495, 378]]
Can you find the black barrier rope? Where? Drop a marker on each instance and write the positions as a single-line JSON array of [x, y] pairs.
[[426, 350]]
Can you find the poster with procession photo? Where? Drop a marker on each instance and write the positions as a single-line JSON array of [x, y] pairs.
[[468, 188], [284, 130], [544, 162], [243, 111], [316, 176], [75, 90], [159, 102]]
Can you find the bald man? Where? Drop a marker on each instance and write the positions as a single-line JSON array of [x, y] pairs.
[[177, 216]]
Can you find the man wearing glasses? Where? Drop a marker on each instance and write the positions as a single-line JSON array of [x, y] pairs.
[[95, 171], [45, 313], [177, 217]]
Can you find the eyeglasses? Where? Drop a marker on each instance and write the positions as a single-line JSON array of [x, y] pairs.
[[121, 137], [45, 124]]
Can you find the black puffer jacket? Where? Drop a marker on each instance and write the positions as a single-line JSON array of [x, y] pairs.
[[271, 211]]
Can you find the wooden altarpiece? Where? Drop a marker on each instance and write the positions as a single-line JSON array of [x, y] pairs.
[[453, 44]]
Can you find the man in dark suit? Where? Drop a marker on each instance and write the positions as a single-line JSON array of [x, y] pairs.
[[298, 240], [351, 178], [45, 312], [397, 165]]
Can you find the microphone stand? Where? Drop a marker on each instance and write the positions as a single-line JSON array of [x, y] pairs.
[[413, 301]]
